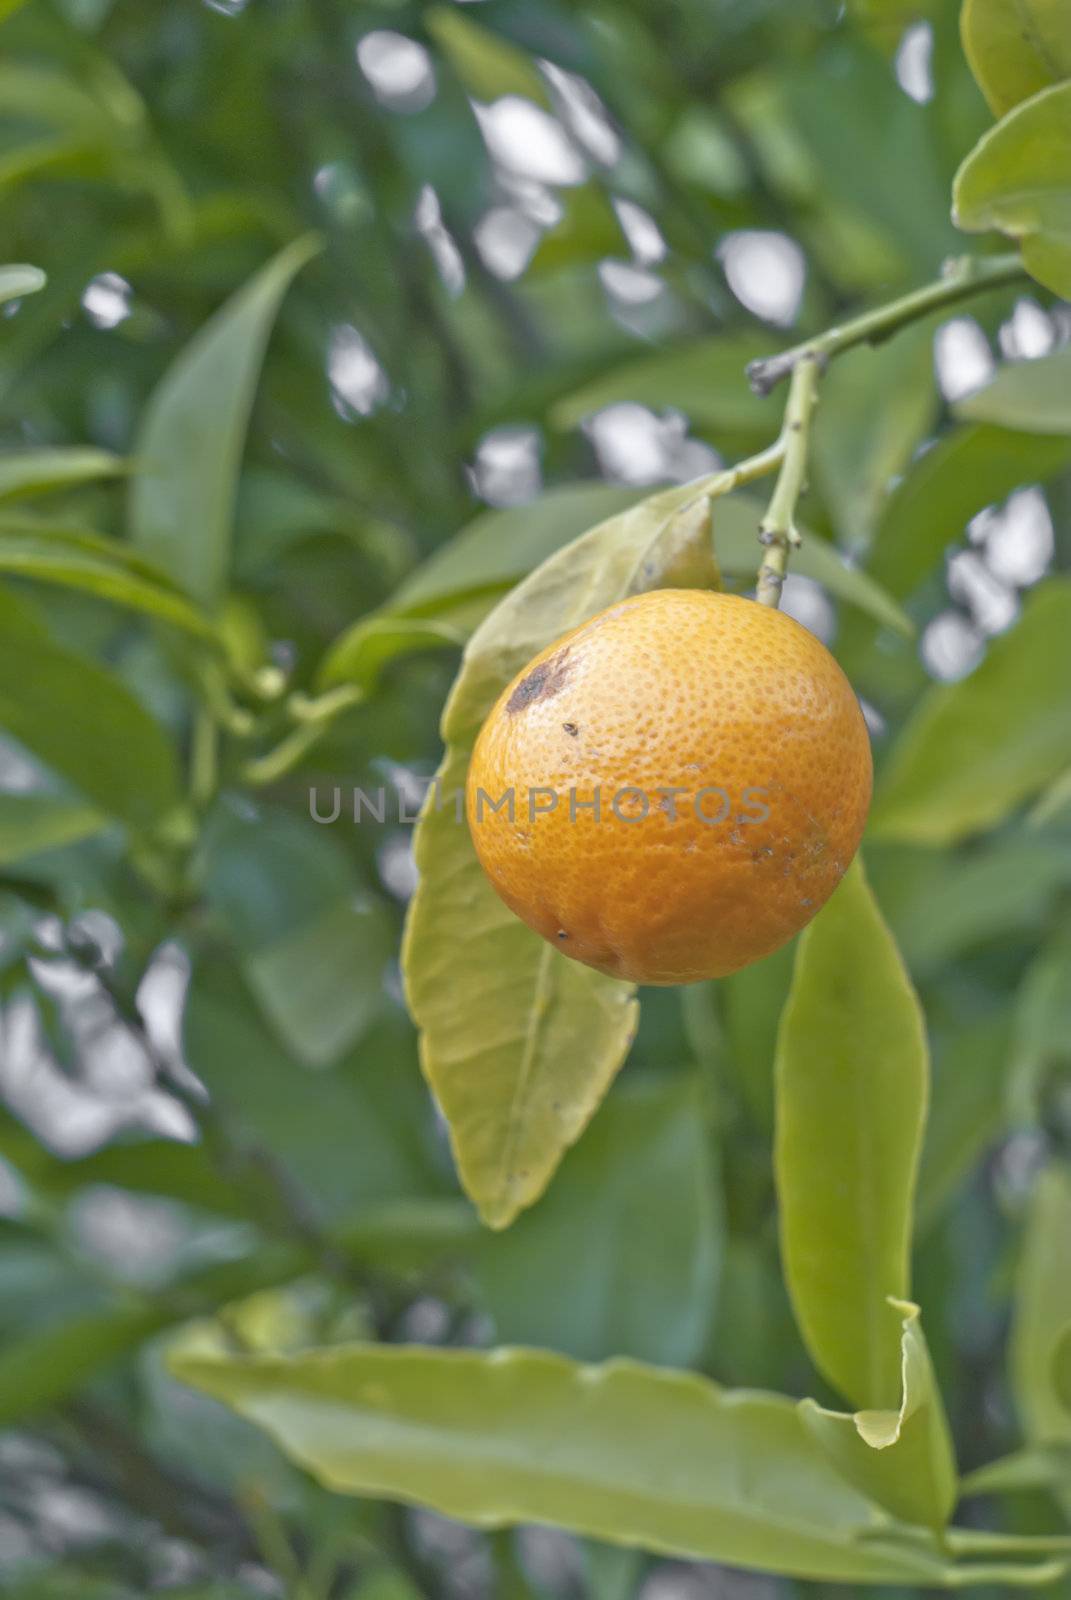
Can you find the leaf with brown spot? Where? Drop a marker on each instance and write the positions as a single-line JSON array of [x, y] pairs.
[[518, 1043]]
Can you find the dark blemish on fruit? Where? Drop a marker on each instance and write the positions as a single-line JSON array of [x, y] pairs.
[[571, 729], [542, 683]]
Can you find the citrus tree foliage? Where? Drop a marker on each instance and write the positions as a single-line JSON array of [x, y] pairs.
[[348, 356]]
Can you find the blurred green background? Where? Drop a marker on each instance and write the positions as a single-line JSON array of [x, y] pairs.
[[552, 235]]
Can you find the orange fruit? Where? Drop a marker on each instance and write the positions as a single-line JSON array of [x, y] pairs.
[[673, 789]]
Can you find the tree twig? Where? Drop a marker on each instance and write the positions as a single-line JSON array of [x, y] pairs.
[[962, 277], [777, 531], [804, 365]]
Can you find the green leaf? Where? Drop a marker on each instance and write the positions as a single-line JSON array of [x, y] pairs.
[[78, 558], [1061, 1368], [627, 1453], [613, 1572], [29, 472], [364, 651], [1018, 179], [1033, 396], [15, 281], [82, 722], [888, 177], [630, 1227], [752, 1002], [1016, 47], [384, 1583], [322, 982], [313, 947], [48, 1363], [975, 750], [705, 379], [487, 65], [852, 1086], [353, 1133], [1036, 1467], [449, 594], [515, 1091], [498, 548], [901, 1458], [456, 586], [1042, 1311], [587, 231], [189, 446], [1053, 804], [860, 446], [941, 904], [30, 823], [277, 512], [50, 97], [966, 470], [42, 1364], [1041, 1038], [147, 1166], [736, 527], [966, 1111]]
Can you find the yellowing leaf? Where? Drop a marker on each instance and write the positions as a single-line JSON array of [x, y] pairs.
[[973, 751], [1018, 179], [852, 1086], [632, 1454], [518, 1043], [900, 1458], [1016, 47]]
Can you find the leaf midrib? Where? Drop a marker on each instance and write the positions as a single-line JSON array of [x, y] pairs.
[[540, 1003], [1032, 36]]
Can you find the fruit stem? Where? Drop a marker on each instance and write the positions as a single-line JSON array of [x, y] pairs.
[[961, 277], [777, 531]]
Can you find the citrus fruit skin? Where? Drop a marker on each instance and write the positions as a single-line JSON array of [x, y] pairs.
[[732, 703]]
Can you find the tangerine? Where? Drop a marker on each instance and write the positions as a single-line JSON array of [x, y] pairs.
[[670, 791]]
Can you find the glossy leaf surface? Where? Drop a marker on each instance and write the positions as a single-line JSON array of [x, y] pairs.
[[852, 1088], [1018, 179]]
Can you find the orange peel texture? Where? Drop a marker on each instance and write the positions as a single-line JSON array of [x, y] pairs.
[[672, 790]]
